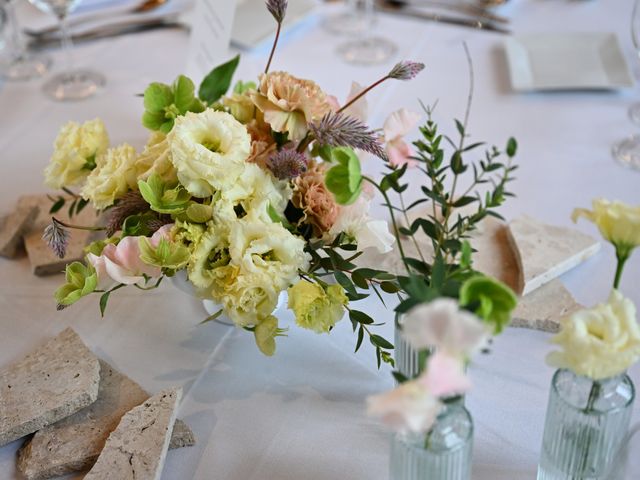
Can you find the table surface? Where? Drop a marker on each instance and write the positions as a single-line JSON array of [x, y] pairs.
[[301, 414]]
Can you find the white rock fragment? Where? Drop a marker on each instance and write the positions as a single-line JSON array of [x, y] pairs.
[[74, 443], [13, 227], [545, 252], [544, 308], [137, 448], [51, 383]]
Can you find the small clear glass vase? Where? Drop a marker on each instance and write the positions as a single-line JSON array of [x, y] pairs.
[[406, 357], [442, 454], [586, 427]]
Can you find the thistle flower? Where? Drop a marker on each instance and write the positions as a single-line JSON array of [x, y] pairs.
[[130, 204], [405, 70], [56, 237], [287, 163], [277, 8], [340, 130], [157, 223]]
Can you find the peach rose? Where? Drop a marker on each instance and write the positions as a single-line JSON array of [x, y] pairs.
[[311, 195]]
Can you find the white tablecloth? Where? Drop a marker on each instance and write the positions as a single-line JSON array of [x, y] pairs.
[[300, 414]]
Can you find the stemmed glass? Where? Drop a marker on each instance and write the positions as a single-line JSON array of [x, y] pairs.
[[627, 151], [18, 63], [72, 84], [367, 49], [347, 22]]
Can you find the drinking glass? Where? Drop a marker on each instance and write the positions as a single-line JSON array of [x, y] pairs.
[[627, 151], [17, 62], [367, 49], [347, 22], [73, 83]]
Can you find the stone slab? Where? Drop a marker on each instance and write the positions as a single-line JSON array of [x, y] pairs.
[[14, 226], [545, 252], [74, 443], [43, 260], [137, 448], [544, 308], [51, 383]]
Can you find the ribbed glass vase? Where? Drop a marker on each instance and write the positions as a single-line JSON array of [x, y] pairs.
[[586, 427], [407, 359], [446, 455]]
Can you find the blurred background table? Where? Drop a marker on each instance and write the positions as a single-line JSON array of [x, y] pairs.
[[301, 413]]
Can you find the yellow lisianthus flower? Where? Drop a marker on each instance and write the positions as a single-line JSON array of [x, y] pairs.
[[114, 175], [599, 342], [316, 309], [75, 149], [618, 223], [156, 158]]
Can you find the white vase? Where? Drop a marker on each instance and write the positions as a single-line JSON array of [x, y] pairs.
[[181, 282]]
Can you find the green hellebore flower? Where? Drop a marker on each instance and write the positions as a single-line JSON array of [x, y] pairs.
[[163, 103], [265, 334], [166, 255], [490, 299], [81, 280], [344, 180]]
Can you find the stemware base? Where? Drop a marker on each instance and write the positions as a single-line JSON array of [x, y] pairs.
[[367, 51], [25, 67], [74, 85], [627, 152]]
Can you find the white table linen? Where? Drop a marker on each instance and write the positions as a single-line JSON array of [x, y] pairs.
[[301, 414]]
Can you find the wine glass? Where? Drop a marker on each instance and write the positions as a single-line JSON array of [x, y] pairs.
[[346, 22], [627, 151], [367, 49], [72, 84], [17, 62]]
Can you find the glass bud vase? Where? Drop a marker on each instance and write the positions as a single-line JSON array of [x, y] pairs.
[[442, 454], [586, 427], [406, 357]]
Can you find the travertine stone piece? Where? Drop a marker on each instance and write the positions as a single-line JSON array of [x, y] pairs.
[[544, 308], [51, 383], [74, 443], [137, 448], [14, 226], [43, 260], [546, 251]]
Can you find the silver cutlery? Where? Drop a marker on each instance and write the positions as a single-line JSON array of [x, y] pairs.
[[466, 8], [412, 12], [144, 7]]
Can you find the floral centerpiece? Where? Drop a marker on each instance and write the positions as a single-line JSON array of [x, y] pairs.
[[591, 399], [251, 192]]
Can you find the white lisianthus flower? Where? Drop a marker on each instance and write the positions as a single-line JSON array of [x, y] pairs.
[[75, 149], [258, 247], [211, 251], [114, 175], [618, 222], [354, 220], [248, 299], [443, 325], [156, 158], [599, 342], [208, 150]]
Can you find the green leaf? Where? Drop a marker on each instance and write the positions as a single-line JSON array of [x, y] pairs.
[[344, 281], [212, 317], [360, 317], [389, 287], [360, 338], [217, 82], [157, 96], [57, 205], [512, 147], [380, 342], [153, 120], [183, 93], [103, 302]]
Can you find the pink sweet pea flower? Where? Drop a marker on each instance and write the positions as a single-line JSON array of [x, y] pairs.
[[395, 127], [122, 264], [444, 376]]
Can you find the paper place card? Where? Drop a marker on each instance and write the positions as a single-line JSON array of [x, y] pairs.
[[210, 37]]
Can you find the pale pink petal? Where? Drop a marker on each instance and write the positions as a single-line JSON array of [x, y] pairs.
[[333, 102], [445, 376], [162, 232], [360, 107], [121, 274], [399, 153], [399, 123]]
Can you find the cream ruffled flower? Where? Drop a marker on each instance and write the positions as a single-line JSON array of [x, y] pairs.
[[240, 106], [75, 150], [208, 150], [443, 325], [289, 104], [156, 158], [618, 222], [114, 175], [599, 342]]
